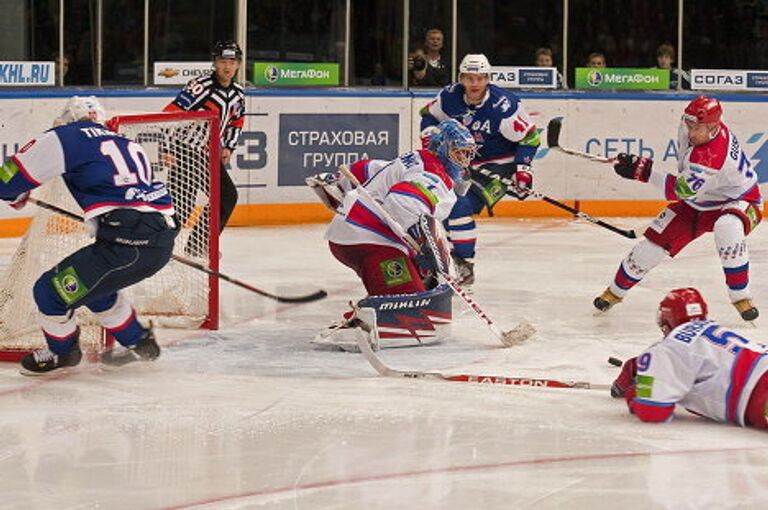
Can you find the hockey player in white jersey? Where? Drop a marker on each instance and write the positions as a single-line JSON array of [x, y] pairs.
[[716, 190], [706, 368], [507, 142], [423, 182]]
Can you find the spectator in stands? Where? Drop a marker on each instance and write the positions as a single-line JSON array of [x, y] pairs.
[[61, 66], [426, 67], [379, 78], [596, 59], [543, 58], [665, 57]]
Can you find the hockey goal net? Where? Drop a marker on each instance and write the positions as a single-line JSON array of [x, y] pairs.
[[184, 152]]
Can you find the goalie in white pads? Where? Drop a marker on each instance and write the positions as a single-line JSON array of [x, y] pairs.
[[715, 189], [414, 185], [703, 366]]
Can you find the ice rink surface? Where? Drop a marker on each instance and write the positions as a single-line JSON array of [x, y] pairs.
[[252, 416]]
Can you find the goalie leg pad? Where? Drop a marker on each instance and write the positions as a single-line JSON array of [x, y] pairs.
[[410, 320], [403, 320]]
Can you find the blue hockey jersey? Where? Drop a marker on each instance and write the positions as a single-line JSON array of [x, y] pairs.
[[501, 128], [102, 169]]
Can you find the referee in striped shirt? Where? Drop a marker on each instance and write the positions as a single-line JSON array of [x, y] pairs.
[[220, 93]]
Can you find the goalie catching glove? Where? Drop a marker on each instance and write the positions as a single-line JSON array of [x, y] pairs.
[[327, 187], [633, 167]]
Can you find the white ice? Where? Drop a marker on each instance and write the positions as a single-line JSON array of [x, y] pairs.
[[252, 416]]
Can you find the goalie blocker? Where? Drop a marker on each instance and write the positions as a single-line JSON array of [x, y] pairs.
[[400, 320]]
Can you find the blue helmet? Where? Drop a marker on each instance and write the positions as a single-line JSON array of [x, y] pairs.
[[454, 146]]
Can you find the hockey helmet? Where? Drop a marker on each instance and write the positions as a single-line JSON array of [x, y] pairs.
[[455, 148], [703, 110], [680, 306], [475, 63], [81, 108], [227, 49]]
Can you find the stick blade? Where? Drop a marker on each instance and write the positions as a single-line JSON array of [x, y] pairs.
[[518, 334], [315, 296], [553, 132]]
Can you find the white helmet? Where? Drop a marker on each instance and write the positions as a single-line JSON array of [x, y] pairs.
[[81, 108], [476, 63]]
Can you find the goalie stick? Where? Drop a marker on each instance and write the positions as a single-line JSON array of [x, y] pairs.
[[320, 294], [628, 233], [553, 142], [514, 336], [378, 365]]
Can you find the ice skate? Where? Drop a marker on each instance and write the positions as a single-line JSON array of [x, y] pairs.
[[465, 269], [606, 300], [146, 349], [746, 309], [343, 335], [44, 360]]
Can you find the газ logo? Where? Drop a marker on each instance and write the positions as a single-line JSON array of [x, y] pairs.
[[168, 73], [271, 74]]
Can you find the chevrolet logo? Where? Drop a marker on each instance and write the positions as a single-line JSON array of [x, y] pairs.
[[168, 72]]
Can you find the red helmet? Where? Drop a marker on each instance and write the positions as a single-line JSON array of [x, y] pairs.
[[680, 306], [703, 110]]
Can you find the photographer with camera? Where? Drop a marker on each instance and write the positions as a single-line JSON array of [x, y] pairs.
[[425, 65]]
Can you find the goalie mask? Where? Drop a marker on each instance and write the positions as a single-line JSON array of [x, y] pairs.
[[81, 108], [455, 148], [680, 306]]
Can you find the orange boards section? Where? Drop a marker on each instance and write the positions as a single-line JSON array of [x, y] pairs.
[[292, 214]]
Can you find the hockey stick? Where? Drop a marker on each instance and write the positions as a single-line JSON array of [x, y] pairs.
[[378, 365], [320, 294], [629, 233], [516, 335], [553, 141]]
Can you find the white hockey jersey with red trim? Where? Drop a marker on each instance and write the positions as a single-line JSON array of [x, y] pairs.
[[711, 175], [703, 366], [415, 183]]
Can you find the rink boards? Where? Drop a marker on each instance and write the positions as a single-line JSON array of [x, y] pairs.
[[291, 134]]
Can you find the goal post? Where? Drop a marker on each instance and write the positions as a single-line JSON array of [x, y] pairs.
[[183, 148]]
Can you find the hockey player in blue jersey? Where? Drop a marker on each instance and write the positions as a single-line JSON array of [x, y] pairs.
[[507, 142], [130, 214]]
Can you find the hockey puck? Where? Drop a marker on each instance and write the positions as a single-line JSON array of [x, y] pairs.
[[616, 362]]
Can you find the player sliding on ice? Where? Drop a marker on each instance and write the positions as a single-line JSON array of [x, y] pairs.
[[701, 365], [131, 215], [715, 189], [417, 191]]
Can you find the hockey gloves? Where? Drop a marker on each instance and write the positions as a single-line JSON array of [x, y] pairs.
[[20, 201], [624, 385], [633, 167], [424, 259], [522, 183]]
